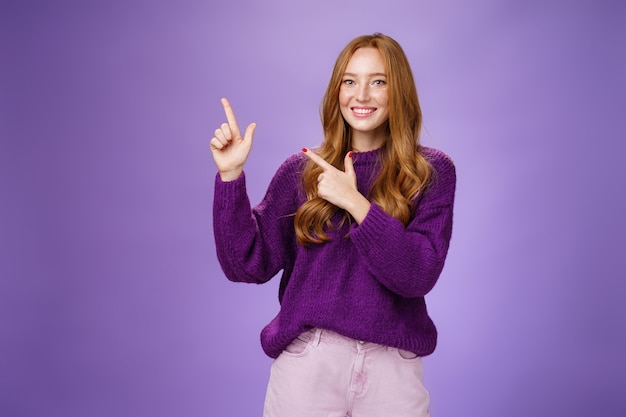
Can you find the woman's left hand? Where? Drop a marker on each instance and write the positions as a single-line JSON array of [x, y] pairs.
[[340, 187]]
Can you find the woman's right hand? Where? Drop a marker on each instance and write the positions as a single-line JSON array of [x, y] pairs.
[[230, 150]]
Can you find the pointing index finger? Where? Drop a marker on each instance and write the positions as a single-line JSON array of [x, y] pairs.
[[317, 159], [230, 117]]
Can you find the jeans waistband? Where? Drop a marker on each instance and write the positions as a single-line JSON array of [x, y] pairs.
[[318, 335]]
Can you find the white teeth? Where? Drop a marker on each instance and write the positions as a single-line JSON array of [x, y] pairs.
[[363, 111]]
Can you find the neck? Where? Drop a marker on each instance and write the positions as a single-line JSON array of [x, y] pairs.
[[367, 141]]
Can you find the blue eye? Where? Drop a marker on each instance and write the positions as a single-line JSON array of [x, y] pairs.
[[379, 82], [348, 82]]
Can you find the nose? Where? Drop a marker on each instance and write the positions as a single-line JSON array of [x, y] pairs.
[[363, 94]]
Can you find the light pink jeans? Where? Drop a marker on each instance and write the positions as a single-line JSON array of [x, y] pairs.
[[324, 374]]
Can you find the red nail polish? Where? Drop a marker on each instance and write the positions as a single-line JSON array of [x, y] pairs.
[[350, 154], [304, 149]]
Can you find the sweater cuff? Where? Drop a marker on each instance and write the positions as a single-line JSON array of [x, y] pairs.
[[374, 227], [228, 192]]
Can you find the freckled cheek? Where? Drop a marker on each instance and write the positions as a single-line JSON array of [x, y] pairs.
[[344, 98], [344, 104], [382, 98]]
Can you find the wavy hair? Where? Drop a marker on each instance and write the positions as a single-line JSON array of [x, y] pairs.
[[404, 171]]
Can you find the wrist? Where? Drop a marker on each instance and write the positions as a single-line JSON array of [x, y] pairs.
[[358, 208], [227, 176]]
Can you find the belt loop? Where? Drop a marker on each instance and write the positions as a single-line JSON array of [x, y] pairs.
[[316, 337]]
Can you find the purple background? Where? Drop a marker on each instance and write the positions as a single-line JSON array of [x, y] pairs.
[[112, 302]]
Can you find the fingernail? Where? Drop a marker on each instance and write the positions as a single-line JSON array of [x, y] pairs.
[[350, 154], [304, 149]]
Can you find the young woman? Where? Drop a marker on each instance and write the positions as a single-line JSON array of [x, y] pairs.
[[360, 228]]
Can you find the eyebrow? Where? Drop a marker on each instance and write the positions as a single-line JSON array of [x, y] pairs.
[[374, 74]]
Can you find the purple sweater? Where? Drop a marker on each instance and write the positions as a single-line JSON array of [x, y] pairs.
[[367, 283]]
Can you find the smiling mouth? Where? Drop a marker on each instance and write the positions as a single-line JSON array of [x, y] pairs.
[[363, 111]]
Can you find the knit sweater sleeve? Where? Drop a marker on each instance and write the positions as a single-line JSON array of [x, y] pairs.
[[408, 260], [254, 244]]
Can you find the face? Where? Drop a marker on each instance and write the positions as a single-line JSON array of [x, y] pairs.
[[363, 96]]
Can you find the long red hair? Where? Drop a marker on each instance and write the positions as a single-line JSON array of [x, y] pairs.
[[404, 171]]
